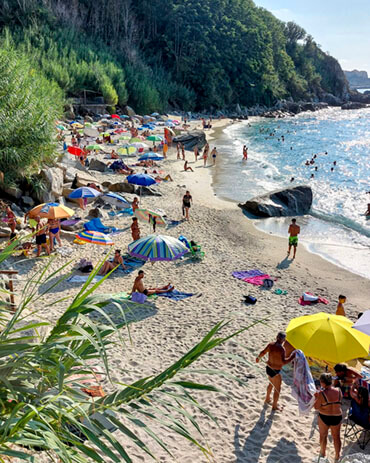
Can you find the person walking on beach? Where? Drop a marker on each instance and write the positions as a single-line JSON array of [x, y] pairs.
[[186, 204], [205, 154], [293, 231], [245, 153], [178, 150], [196, 152], [214, 155], [183, 151], [276, 360], [328, 402]]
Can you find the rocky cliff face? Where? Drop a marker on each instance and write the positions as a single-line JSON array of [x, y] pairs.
[[357, 78]]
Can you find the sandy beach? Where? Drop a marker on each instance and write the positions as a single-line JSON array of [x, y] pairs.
[[248, 431]]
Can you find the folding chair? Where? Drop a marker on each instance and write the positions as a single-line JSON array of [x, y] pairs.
[[358, 425]]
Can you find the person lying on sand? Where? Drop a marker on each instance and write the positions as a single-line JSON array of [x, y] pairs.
[[186, 167], [116, 262], [140, 288], [276, 360]]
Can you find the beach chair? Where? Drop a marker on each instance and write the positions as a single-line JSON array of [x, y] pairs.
[[358, 425], [198, 254]]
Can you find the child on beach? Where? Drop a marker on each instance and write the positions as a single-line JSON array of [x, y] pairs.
[[340, 307]]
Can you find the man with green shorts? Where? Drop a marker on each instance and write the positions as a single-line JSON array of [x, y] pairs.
[[293, 231]]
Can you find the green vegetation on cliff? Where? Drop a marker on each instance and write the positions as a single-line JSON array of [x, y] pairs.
[[153, 54]]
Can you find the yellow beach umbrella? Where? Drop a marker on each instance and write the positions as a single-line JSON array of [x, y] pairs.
[[327, 337], [127, 150], [51, 211]]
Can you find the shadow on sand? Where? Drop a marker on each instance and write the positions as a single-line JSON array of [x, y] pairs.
[[285, 263]]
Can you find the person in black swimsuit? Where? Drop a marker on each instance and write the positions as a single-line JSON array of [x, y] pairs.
[[328, 402], [186, 204]]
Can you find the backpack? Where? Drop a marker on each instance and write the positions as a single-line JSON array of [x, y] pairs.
[[250, 299], [267, 283]]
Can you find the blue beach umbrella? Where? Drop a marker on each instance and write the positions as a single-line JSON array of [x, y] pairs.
[[84, 192], [157, 248], [141, 179], [117, 200], [151, 157]]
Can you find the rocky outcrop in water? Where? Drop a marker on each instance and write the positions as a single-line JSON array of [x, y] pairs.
[[196, 137], [353, 105], [281, 203]]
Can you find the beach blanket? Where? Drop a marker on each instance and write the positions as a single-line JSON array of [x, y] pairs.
[[124, 296], [303, 388], [320, 299], [176, 295], [132, 263], [255, 277], [173, 223], [83, 278]]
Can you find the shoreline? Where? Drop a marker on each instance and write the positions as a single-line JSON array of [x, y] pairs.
[[312, 247]]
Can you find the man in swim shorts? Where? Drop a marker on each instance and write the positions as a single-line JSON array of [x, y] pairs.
[[276, 360], [140, 288], [293, 231]]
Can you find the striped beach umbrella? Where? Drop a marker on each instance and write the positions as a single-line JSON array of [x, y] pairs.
[[151, 156], [148, 216], [94, 237], [157, 248]]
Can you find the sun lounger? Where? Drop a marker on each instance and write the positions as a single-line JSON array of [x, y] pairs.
[[199, 254]]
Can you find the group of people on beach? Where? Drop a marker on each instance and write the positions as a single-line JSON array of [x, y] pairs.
[[328, 399]]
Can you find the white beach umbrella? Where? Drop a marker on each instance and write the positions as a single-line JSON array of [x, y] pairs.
[[363, 323]]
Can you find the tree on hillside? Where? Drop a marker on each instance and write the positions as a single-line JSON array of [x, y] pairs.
[[29, 105]]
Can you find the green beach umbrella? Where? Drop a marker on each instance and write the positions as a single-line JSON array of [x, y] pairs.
[[126, 151], [154, 138]]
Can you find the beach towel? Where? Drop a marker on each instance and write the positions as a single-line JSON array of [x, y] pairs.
[[83, 278], [320, 299], [176, 295], [124, 296], [173, 223], [97, 225], [247, 274], [303, 388], [132, 263]]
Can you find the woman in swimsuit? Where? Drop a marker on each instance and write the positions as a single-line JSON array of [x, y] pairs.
[[186, 204], [329, 405], [11, 219], [54, 231], [135, 204]]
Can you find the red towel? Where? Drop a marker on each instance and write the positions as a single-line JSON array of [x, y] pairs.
[[320, 299], [256, 280]]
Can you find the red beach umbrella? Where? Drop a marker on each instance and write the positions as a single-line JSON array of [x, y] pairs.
[[115, 116], [75, 150]]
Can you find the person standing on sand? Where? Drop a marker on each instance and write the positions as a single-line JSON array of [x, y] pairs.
[[196, 152], [214, 154], [41, 237], [205, 154], [135, 204], [183, 151], [186, 204], [340, 307], [135, 230], [293, 231], [276, 360], [178, 150]]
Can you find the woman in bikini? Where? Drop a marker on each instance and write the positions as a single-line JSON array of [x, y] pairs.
[[11, 219], [41, 237], [205, 154], [329, 405], [54, 232], [116, 262]]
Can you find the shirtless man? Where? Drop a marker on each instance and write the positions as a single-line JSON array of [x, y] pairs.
[[116, 262], [293, 231], [140, 288], [276, 360]]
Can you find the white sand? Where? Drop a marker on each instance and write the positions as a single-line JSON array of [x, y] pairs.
[[247, 430]]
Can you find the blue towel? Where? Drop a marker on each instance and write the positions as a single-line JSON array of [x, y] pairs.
[[173, 223], [176, 295], [97, 225]]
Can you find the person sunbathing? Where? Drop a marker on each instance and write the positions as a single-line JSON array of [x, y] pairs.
[[186, 167], [116, 262], [140, 288]]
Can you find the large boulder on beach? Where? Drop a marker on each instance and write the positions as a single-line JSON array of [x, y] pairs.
[[122, 187], [281, 203], [53, 178], [196, 137], [97, 165]]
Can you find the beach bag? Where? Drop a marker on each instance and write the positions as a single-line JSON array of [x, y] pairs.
[[140, 298], [250, 299], [267, 283], [85, 266]]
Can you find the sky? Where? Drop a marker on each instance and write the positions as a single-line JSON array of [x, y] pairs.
[[341, 27]]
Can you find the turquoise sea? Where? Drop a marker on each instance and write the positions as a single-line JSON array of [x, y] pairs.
[[336, 228]]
